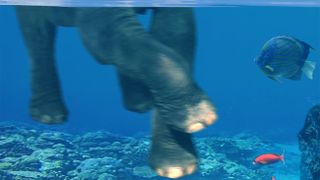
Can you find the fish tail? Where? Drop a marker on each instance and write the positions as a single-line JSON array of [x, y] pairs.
[[282, 157], [308, 69]]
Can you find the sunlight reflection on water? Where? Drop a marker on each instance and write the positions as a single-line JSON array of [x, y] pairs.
[[162, 3]]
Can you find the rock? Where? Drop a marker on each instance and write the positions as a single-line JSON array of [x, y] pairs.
[[5, 175], [13, 146], [49, 139], [105, 176], [49, 155], [27, 163], [26, 174], [309, 144], [144, 172], [5, 165], [94, 167], [96, 139], [230, 158]]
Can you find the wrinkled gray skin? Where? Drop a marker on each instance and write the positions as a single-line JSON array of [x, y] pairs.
[[154, 70]]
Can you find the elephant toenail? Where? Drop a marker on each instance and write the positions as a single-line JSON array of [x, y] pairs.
[[195, 127], [175, 172], [191, 169], [211, 118], [46, 119], [160, 172]]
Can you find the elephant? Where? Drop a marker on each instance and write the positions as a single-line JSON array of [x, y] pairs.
[[155, 71]]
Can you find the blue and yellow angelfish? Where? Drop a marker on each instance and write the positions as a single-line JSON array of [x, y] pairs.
[[285, 57]]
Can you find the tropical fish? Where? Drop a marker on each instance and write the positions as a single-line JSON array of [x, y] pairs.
[[286, 57], [265, 159], [273, 178]]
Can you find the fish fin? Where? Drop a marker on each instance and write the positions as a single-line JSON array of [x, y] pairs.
[[307, 45], [282, 157], [275, 79], [308, 69], [296, 76], [263, 162]]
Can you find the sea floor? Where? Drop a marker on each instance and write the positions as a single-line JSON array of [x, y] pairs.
[[28, 153]]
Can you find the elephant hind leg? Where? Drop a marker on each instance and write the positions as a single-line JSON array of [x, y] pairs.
[[46, 105], [136, 96], [97, 31]]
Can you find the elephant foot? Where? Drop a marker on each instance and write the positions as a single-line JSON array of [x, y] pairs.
[[53, 112], [176, 171], [172, 153], [199, 116], [191, 117]]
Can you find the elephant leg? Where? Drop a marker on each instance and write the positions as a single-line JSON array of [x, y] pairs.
[[181, 106], [136, 96], [120, 40], [172, 152], [179, 100], [174, 27], [96, 32], [46, 104]]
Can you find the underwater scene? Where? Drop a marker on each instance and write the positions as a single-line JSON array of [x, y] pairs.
[[138, 93]]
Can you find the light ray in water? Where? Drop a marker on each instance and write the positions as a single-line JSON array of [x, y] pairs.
[[163, 3]]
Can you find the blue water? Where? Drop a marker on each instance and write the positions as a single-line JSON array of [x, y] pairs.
[[228, 41]]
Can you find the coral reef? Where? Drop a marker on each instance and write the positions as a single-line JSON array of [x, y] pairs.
[[28, 153], [309, 143]]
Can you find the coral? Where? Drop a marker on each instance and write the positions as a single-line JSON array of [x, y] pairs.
[[14, 146], [51, 155], [96, 168], [5, 165], [309, 143], [27, 174], [27, 163], [143, 171], [229, 158]]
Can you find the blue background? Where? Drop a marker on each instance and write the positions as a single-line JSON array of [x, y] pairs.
[[228, 41]]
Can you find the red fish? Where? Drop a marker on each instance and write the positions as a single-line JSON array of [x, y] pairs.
[[273, 178], [265, 159]]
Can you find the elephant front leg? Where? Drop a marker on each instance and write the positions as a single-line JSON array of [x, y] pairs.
[[178, 99], [46, 102], [181, 106], [174, 27], [122, 41], [172, 152]]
